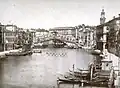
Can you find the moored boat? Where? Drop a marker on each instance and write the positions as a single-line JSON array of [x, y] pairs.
[[89, 77], [68, 80], [3, 56], [96, 52], [19, 53], [37, 51]]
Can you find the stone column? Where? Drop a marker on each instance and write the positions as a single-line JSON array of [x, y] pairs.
[[76, 33]]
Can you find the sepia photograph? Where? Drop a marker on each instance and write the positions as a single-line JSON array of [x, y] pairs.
[[59, 43]]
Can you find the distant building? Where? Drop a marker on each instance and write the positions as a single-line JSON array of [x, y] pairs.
[[18, 39], [87, 36], [68, 33], [64, 30], [80, 34], [33, 35], [24, 38], [40, 34]]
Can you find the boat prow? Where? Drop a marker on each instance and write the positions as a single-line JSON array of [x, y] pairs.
[[96, 52]]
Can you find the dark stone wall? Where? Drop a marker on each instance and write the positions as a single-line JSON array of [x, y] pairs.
[[99, 46], [99, 34], [113, 39], [1, 38]]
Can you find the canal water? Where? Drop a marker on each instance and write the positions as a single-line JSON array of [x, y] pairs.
[[41, 70]]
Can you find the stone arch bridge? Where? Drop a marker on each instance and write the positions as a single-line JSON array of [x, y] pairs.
[[58, 39]]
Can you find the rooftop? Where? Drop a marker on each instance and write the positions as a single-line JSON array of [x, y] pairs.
[[62, 28], [110, 21]]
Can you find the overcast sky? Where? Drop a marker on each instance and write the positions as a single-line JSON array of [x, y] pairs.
[[55, 13]]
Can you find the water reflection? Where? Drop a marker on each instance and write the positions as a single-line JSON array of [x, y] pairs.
[[41, 70]]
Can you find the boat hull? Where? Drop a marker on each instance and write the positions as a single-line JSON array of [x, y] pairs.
[[20, 53]]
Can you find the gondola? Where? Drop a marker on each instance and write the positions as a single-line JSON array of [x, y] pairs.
[[95, 52]]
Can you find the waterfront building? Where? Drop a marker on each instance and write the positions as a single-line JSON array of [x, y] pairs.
[[18, 40], [90, 36], [113, 39], [40, 34], [12, 37], [9, 36], [68, 33], [23, 37], [86, 36], [2, 46], [108, 36], [33, 36], [101, 33]]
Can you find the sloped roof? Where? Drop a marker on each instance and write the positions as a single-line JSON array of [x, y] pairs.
[[110, 21], [62, 28], [41, 30], [6, 30]]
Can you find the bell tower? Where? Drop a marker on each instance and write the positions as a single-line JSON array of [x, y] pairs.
[[102, 18]]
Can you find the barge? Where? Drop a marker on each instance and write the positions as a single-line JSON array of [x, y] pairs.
[[19, 53], [95, 76]]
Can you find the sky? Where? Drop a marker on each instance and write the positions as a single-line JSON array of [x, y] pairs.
[[56, 13]]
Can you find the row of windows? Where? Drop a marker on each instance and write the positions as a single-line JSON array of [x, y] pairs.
[[9, 34], [10, 39]]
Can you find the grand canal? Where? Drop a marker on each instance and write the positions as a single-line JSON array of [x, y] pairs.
[[41, 70]]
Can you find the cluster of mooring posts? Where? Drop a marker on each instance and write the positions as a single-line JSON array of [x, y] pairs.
[[100, 74]]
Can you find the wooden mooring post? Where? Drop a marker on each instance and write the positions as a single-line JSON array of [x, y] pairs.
[[73, 74]]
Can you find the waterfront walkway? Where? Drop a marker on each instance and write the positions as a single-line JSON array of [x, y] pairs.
[[6, 52], [116, 63]]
